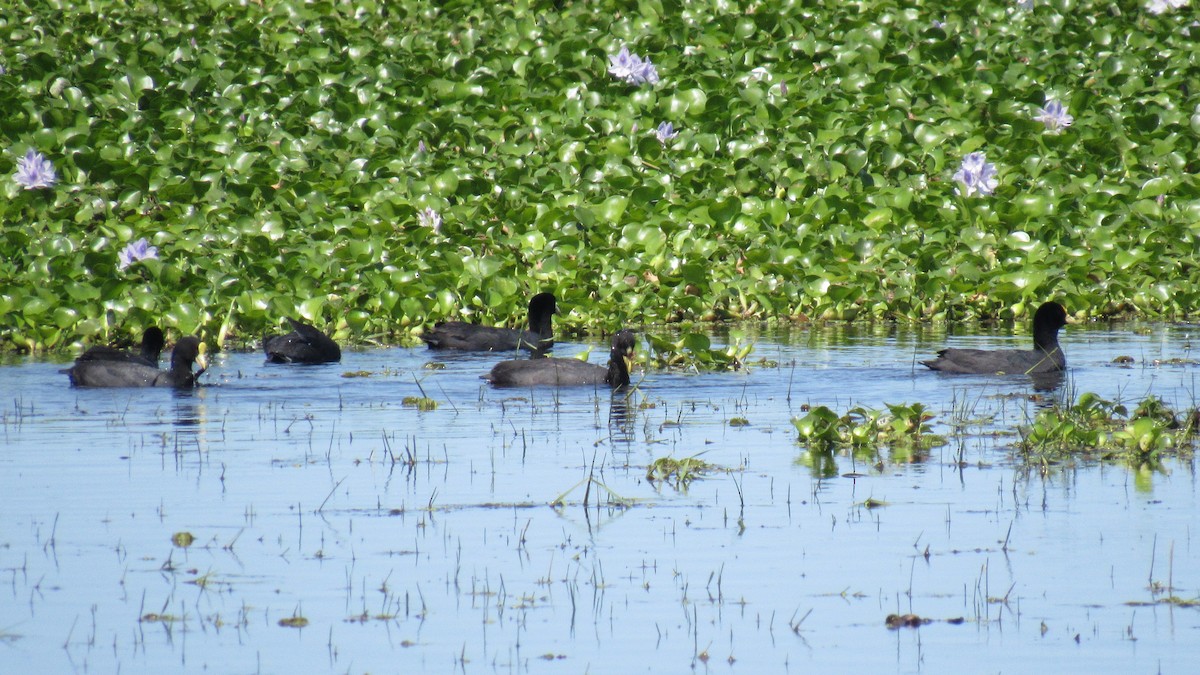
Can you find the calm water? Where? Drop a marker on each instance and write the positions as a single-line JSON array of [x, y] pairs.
[[425, 541]]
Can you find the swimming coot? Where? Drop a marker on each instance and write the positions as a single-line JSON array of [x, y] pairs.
[[152, 346], [1045, 357], [473, 337], [304, 344], [552, 372], [105, 373]]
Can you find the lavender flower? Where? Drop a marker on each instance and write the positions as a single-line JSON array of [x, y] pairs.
[[427, 217], [135, 251], [35, 171], [630, 68], [649, 73], [665, 132], [1054, 116], [976, 175], [624, 65]]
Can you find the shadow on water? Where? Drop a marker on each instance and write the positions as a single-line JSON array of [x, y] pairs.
[[313, 517]]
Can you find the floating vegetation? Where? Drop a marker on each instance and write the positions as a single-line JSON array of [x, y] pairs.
[[901, 425], [154, 617], [895, 621], [203, 581], [739, 422], [1172, 600], [182, 539], [588, 481], [1095, 427], [677, 471], [367, 617], [1175, 362], [695, 352], [419, 402], [357, 373], [293, 622]]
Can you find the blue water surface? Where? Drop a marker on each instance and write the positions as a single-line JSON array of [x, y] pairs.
[[516, 531]]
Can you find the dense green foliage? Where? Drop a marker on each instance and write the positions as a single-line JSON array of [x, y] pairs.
[[278, 155], [1095, 427]]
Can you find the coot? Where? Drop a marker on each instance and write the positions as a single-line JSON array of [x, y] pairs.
[[304, 344], [102, 373], [474, 337], [152, 346], [554, 372], [1045, 357]]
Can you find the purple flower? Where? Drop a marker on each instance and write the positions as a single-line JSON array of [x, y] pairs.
[[631, 68], [427, 217], [976, 175], [1054, 116], [35, 171], [135, 251], [665, 132]]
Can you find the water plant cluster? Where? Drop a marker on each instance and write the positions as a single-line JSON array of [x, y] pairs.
[[695, 351], [374, 166], [864, 433], [1094, 427], [902, 424], [679, 472]]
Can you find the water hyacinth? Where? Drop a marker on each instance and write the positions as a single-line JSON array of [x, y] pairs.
[[631, 68], [976, 175], [135, 251], [1054, 116], [665, 132], [427, 217], [34, 171]]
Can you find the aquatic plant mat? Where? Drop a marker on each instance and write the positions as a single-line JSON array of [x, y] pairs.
[[373, 167]]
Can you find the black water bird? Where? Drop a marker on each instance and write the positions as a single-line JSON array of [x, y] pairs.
[[555, 372], [1045, 357], [462, 336], [304, 344], [152, 346], [130, 373]]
